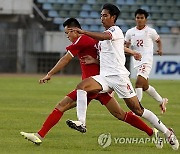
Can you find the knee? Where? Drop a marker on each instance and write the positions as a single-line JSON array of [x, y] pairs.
[[138, 111]]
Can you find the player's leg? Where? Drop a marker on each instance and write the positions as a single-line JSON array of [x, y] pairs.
[[136, 107], [154, 94], [142, 84], [114, 108], [53, 118], [87, 85]]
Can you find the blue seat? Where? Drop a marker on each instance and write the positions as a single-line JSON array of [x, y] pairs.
[[58, 20], [91, 1], [124, 28], [94, 14], [53, 13], [47, 6], [84, 14], [61, 1], [120, 2], [89, 21], [86, 7], [130, 2], [94, 28], [145, 7], [85, 27]]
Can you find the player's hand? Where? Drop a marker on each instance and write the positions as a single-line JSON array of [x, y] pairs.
[[89, 60], [80, 31], [159, 52], [137, 56], [45, 79]]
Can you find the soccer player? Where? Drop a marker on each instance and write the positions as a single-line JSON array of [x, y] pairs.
[[113, 75], [84, 47], [141, 38]]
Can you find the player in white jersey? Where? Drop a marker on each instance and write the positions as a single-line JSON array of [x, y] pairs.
[[113, 75], [141, 38]]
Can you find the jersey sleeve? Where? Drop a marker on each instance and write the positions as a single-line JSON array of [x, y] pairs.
[[74, 48], [115, 32], [154, 35], [127, 36]]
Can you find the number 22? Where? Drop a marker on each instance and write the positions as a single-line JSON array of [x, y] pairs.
[[139, 43]]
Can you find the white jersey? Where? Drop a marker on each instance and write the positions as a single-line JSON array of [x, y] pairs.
[[142, 42], [111, 53]]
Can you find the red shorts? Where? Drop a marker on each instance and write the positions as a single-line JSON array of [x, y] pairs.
[[104, 98]]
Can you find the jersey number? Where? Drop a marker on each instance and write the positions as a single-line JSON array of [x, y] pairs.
[[139, 43]]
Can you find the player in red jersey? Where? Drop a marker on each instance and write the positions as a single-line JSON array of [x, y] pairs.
[[82, 46]]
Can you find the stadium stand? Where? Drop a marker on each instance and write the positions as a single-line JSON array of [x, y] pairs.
[[161, 11]]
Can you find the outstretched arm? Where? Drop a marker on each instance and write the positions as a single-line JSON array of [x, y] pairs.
[[59, 66], [96, 35]]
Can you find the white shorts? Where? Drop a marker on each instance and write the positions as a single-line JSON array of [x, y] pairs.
[[143, 70], [120, 84]]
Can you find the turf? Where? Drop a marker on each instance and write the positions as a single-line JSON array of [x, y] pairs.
[[24, 105]]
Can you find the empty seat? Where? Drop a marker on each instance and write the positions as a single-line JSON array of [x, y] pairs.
[[120, 2], [84, 14], [47, 6], [51, 1], [91, 1], [58, 20], [130, 2], [94, 28], [67, 7], [94, 14], [85, 27], [89, 21], [53, 13], [61, 1], [41, 1], [96, 7], [86, 7]]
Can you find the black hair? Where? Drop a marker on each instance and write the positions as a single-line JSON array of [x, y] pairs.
[[113, 10], [141, 11], [72, 22]]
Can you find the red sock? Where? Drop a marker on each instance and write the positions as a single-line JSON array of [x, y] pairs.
[[135, 121], [51, 120]]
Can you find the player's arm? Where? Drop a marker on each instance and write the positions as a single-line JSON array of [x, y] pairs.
[[59, 66], [89, 60], [159, 46], [96, 35], [135, 54]]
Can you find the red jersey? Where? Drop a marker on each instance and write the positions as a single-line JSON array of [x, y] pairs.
[[83, 46]]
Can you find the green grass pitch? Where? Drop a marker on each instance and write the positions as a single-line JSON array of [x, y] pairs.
[[25, 104]]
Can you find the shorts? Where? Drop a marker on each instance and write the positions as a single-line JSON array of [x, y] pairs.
[[121, 84], [104, 98], [143, 70]]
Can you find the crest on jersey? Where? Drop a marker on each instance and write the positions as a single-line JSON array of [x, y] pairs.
[[112, 29]]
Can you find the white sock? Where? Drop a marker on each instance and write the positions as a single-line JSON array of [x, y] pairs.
[[153, 119], [139, 93], [153, 93], [81, 105]]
